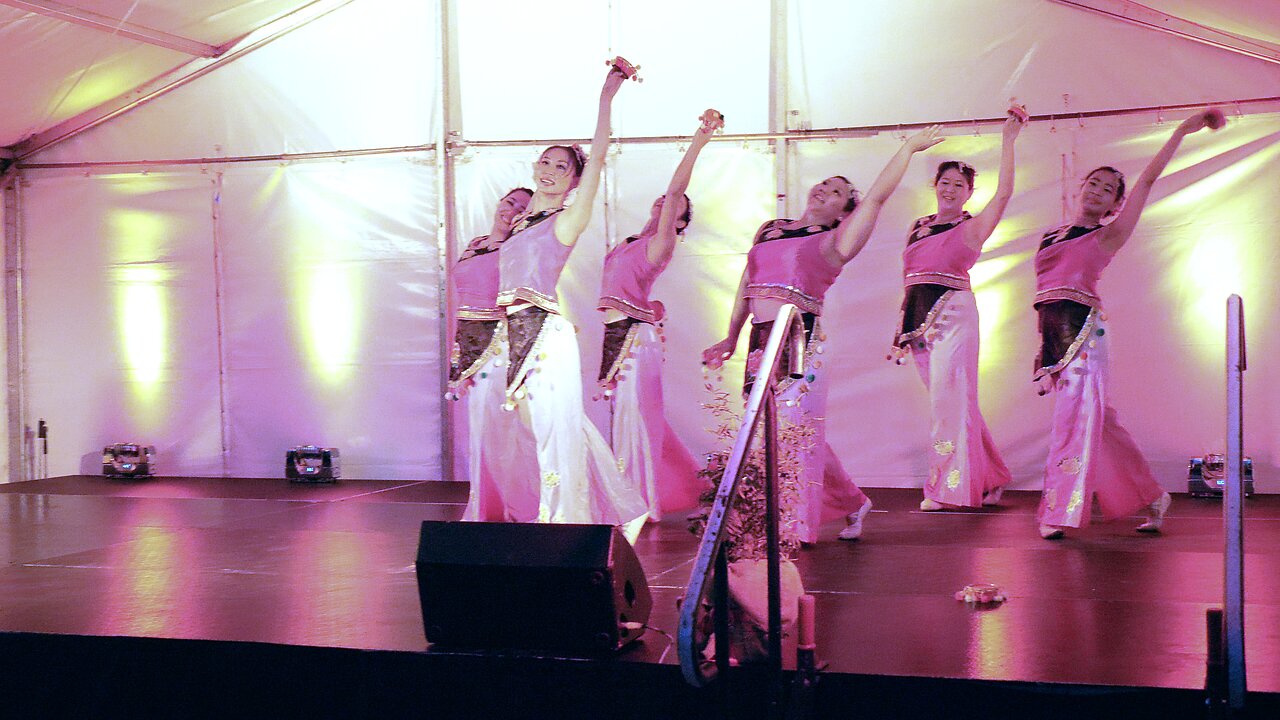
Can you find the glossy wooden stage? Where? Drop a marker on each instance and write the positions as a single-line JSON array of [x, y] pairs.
[[169, 596]]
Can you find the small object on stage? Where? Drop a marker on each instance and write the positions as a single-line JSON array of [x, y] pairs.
[[1206, 476], [981, 594], [312, 464], [128, 460]]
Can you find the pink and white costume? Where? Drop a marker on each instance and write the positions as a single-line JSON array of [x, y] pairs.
[[576, 479], [788, 266], [939, 325], [477, 380], [1090, 455], [649, 455]]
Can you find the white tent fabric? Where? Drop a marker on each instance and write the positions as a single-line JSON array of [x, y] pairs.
[[308, 311]]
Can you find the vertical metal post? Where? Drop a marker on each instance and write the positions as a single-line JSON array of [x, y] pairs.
[[219, 304], [778, 101], [720, 615], [449, 124], [1233, 508], [15, 380], [773, 552]]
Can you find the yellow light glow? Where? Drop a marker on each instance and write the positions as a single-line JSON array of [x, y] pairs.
[[1216, 268], [329, 300], [994, 298], [150, 568], [142, 323]]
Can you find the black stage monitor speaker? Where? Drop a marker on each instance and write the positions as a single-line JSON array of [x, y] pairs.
[[575, 589]]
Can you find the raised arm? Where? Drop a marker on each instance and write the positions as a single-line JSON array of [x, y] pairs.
[[574, 218], [984, 223], [854, 232], [664, 242], [1117, 233]]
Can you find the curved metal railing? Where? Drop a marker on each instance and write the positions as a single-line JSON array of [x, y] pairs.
[[711, 566]]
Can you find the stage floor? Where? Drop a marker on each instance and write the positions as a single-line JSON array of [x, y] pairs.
[[267, 561]]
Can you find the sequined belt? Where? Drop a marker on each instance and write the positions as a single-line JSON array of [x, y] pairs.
[[523, 328], [473, 344], [619, 337], [1064, 328]]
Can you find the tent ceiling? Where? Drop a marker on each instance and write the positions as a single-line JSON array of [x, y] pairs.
[[57, 63], [1252, 19], [55, 69]]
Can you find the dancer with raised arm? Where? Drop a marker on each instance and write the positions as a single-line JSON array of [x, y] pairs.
[[650, 456], [1090, 455], [939, 327], [577, 480], [795, 262]]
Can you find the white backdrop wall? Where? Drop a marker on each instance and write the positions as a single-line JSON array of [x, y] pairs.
[[348, 248], [226, 316]]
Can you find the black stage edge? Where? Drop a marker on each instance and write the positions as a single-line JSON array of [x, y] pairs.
[[54, 676]]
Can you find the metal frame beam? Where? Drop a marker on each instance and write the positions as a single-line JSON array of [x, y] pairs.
[[778, 101], [15, 377], [448, 133], [174, 79], [116, 26], [1141, 15]]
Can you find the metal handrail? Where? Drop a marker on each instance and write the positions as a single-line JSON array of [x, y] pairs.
[[711, 561], [1233, 510]]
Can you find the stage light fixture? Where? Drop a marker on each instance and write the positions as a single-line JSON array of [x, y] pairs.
[[1207, 475], [128, 460], [310, 463]]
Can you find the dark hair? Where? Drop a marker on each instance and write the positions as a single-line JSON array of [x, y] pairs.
[[687, 217], [579, 158], [1119, 179], [852, 203], [515, 190], [959, 166]]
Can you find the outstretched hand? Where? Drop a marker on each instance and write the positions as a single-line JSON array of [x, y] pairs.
[[924, 139], [620, 70], [1211, 118], [714, 356], [712, 120], [1017, 119]]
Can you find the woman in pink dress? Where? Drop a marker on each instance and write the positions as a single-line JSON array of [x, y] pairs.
[[650, 456], [939, 327], [475, 373], [1090, 454], [576, 479], [795, 262]]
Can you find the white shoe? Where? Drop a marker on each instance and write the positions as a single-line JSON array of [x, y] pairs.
[[993, 497], [853, 530], [1155, 514], [931, 505], [1052, 532]]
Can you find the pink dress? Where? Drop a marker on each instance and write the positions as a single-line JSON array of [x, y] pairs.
[[939, 325], [650, 455], [788, 266], [1090, 454], [575, 478]]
